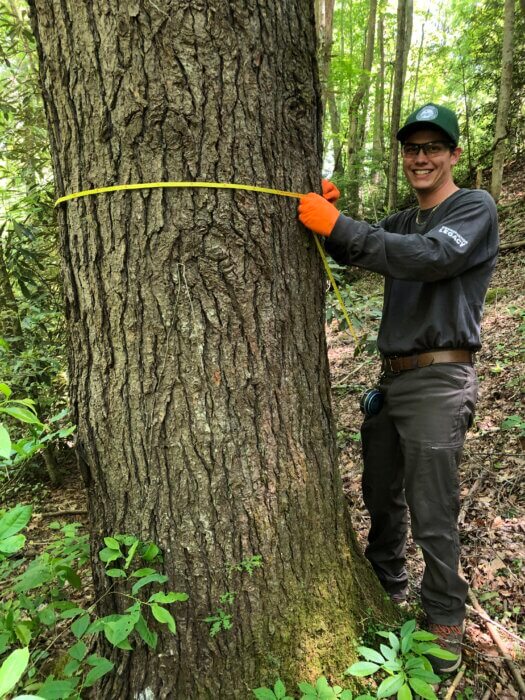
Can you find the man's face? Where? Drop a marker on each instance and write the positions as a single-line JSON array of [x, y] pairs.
[[428, 173]]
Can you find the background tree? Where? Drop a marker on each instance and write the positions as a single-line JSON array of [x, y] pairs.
[[503, 101], [198, 368]]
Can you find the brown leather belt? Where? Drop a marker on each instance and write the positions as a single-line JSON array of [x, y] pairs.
[[424, 359]]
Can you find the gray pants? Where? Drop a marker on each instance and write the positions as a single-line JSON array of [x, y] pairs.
[[411, 452]]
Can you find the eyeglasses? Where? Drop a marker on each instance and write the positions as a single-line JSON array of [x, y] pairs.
[[432, 148]]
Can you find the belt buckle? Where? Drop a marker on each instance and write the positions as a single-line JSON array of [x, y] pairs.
[[389, 366]]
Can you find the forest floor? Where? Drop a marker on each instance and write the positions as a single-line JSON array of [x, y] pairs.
[[492, 483]]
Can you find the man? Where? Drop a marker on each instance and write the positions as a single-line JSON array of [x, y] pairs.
[[437, 260]]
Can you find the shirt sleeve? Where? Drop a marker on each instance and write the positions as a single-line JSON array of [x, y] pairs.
[[466, 236]]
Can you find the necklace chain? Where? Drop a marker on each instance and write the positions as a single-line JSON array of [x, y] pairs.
[[427, 217]]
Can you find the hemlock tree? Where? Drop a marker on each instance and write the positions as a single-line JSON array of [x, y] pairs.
[[198, 365]]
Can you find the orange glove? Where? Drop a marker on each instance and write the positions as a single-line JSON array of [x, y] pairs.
[[317, 214], [330, 191]]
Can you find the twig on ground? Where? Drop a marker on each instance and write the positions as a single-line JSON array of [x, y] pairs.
[[481, 613], [58, 513], [456, 682], [487, 695], [495, 636]]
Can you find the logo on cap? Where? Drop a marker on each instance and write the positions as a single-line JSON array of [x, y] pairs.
[[427, 113]]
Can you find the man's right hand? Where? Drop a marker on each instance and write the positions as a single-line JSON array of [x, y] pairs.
[[317, 214]]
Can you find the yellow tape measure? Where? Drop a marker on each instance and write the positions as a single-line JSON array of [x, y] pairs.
[[226, 186]]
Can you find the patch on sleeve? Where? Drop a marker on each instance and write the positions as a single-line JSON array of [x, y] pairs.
[[462, 242]]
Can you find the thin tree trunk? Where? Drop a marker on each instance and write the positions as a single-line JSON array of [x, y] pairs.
[[419, 56], [199, 374], [355, 130], [402, 44], [467, 117], [10, 328], [500, 134], [326, 27], [379, 105]]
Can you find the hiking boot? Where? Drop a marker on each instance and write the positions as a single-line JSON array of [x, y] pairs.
[[450, 638], [398, 598]]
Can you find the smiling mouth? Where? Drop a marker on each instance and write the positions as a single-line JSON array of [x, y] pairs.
[[421, 172]]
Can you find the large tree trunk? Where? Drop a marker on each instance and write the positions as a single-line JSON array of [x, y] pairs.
[[199, 374], [500, 132]]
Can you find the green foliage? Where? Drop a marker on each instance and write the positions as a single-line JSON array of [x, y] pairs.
[[220, 620], [38, 605], [36, 436], [514, 423], [405, 663], [322, 690]]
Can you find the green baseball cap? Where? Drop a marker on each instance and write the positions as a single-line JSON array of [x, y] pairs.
[[431, 115]]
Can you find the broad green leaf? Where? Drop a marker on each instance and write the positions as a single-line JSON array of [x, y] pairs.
[[147, 635], [164, 616], [116, 573], [23, 633], [393, 666], [5, 443], [408, 627], [112, 543], [440, 653], [346, 695], [415, 662], [120, 629], [406, 643], [6, 391], [29, 697], [279, 689], [150, 552], [371, 654], [71, 668], [362, 668], [423, 689], [14, 520], [12, 670], [166, 598], [264, 694], [47, 615], [153, 578], [131, 554], [108, 555], [80, 626], [422, 636], [139, 573], [390, 686], [4, 641], [388, 652], [24, 415], [428, 676], [71, 576], [404, 693], [100, 668], [71, 612], [12, 544], [394, 641], [78, 650]]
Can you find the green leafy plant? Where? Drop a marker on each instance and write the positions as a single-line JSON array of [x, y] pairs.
[[220, 620], [514, 423], [322, 690], [405, 663]]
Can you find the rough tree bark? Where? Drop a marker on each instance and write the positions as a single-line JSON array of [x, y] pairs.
[[198, 365], [500, 131]]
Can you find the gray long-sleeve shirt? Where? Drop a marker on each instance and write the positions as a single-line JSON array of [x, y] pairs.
[[436, 273]]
